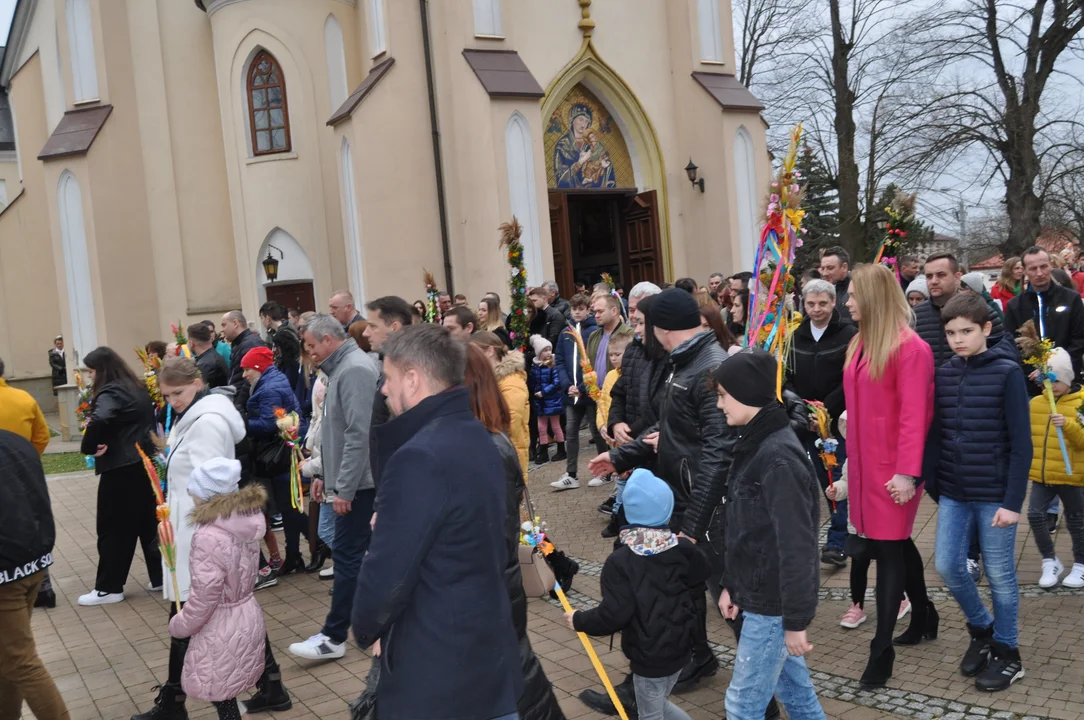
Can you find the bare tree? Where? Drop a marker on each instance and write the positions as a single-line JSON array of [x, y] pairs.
[[1000, 57], [765, 26]]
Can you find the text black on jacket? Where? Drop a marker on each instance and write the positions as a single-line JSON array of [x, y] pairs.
[[816, 366], [1062, 320], [979, 444], [27, 532], [432, 586], [695, 443], [772, 516], [120, 417], [647, 599]]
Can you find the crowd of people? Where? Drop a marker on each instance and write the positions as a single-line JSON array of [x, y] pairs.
[[418, 437]]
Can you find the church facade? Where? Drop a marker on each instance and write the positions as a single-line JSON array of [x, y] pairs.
[[166, 149]]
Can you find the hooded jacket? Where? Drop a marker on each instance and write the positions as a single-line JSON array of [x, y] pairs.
[[27, 532], [816, 366], [211, 427], [1047, 466], [512, 379], [432, 587], [225, 621], [980, 440], [647, 598], [120, 417], [348, 409], [537, 702], [1062, 320], [772, 518], [695, 444]]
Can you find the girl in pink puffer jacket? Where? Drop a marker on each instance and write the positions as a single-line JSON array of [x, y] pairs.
[[223, 618]]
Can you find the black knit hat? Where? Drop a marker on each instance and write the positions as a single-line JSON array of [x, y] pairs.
[[749, 376], [674, 309]]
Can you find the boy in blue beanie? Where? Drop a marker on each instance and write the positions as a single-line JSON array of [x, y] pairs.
[[646, 595]]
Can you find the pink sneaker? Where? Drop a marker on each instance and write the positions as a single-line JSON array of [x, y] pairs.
[[905, 607], [854, 617]]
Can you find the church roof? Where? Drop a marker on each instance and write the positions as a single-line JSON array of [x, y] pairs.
[[728, 91]]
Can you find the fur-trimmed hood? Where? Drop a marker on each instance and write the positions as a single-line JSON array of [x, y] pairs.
[[511, 363], [240, 513]]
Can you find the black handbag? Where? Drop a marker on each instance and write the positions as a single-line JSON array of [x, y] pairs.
[[364, 707], [272, 457]]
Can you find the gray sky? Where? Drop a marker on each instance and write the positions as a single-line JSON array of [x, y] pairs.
[[7, 9]]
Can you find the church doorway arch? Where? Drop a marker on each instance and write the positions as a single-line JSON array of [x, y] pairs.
[[293, 287], [607, 189]]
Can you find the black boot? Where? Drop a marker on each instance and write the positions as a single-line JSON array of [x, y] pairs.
[[543, 455], [978, 652], [560, 454], [923, 626], [294, 562], [613, 528], [878, 669], [169, 705], [695, 670], [599, 701], [270, 693], [1004, 669], [321, 556], [45, 599]]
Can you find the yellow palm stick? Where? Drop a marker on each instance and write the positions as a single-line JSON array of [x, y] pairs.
[[594, 658]]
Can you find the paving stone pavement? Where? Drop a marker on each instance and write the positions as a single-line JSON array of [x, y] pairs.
[[106, 660]]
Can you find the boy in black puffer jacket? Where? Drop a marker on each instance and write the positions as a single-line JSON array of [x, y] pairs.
[[646, 595]]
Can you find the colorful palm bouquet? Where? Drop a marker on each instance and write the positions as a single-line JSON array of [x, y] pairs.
[[609, 280], [1036, 352], [769, 314], [518, 322], [167, 541], [825, 442], [900, 213], [579, 354], [432, 310], [289, 425], [181, 340], [151, 365], [82, 411]]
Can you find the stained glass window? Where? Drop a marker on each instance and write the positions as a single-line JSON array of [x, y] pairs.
[[269, 116]]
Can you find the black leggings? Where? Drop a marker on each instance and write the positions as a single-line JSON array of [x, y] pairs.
[[294, 523], [178, 648], [859, 575], [899, 570], [125, 516], [228, 710]]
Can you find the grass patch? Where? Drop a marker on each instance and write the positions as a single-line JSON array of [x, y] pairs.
[[63, 463]]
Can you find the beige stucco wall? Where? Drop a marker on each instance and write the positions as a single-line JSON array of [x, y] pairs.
[[31, 311]]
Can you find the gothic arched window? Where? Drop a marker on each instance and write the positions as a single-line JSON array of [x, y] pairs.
[[269, 116]]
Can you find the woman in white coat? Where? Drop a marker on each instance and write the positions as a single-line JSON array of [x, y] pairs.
[[201, 425]]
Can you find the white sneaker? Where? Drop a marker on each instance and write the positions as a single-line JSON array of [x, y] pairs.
[[1075, 578], [600, 480], [318, 647], [327, 573], [154, 588], [1052, 570], [95, 597], [567, 482]]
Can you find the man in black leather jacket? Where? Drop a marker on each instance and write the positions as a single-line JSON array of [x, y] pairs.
[[691, 445]]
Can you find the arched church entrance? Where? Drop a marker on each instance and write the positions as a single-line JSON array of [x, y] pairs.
[[605, 179], [292, 287]]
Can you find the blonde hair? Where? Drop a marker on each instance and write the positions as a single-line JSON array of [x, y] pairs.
[[1007, 281], [886, 316]]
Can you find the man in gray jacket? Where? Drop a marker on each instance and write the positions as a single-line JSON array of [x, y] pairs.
[[348, 479]]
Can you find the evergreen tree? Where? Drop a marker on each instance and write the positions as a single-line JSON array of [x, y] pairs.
[[821, 204]]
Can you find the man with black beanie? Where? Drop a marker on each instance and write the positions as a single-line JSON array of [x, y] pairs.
[[770, 573], [690, 446]]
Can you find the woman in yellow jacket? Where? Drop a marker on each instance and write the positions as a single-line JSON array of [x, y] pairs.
[[512, 379], [1048, 472]]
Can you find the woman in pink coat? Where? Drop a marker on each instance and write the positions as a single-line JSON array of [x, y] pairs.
[[222, 617], [888, 383]]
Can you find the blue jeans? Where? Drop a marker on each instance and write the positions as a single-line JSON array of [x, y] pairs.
[[764, 667], [620, 482], [326, 529], [651, 698], [955, 523], [351, 542], [837, 531]]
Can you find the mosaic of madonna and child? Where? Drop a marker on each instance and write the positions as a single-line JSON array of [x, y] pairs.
[[586, 146]]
